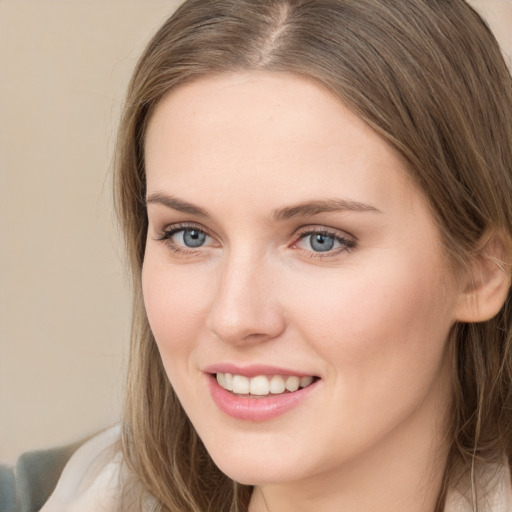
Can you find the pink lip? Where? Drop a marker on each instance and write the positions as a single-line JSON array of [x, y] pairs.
[[252, 370], [257, 409]]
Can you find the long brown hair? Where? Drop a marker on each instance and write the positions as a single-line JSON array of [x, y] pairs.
[[429, 77]]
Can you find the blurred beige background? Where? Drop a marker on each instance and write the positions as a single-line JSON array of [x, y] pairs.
[[64, 301]]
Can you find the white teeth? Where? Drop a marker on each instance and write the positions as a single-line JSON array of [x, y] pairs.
[[305, 381], [241, 385], [262, 385], [259, 386], [228, 381], [292, 383], [277, 384]]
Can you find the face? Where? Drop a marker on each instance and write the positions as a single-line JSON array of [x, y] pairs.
[[293, 279]]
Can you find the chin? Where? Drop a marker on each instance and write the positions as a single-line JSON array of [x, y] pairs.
[[260, 466], [251, 474]]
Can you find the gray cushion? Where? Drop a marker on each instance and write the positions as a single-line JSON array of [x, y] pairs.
[[27, 487], [7, 490]]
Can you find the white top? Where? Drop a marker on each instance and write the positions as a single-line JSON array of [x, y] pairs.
[[90, 482]]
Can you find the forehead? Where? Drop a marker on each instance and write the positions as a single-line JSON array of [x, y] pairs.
[[258, 102], [265, 130]]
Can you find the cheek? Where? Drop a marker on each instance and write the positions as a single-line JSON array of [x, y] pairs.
[[175, 302], [383, 337], [381, 324]]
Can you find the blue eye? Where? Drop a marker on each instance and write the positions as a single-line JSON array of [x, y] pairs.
[[321, 242], [189, 237], [180, 238], [324, 242]]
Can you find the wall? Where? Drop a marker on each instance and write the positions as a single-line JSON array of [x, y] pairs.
[[64, 299]]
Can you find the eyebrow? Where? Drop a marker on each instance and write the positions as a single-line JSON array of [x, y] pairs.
[[310, 208], [175, 204], [306, 209]]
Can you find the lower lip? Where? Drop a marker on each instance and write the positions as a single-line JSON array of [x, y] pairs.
[[257, 409]]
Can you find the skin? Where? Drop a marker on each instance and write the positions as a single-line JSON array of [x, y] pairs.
[[370, 317]]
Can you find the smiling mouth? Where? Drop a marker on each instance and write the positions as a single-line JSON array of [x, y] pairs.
[[262, 385]]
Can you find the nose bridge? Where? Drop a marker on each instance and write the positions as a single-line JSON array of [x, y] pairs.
[[245, 307]]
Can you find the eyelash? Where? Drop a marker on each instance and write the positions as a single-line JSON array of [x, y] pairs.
[[170, 231], [346, 244]]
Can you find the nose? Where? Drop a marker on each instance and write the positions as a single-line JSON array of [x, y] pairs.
[[246, 308]]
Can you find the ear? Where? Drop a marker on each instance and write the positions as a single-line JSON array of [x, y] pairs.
[[488, 283]]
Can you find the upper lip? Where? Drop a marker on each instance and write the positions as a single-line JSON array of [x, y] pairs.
[[254, 370]]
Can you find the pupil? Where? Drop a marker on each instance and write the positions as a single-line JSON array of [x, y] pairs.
[[193, 238], [322, 243]]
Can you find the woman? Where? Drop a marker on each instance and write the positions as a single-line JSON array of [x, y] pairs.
[[316, 197]]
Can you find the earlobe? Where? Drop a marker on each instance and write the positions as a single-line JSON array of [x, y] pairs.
[[488, 284]]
